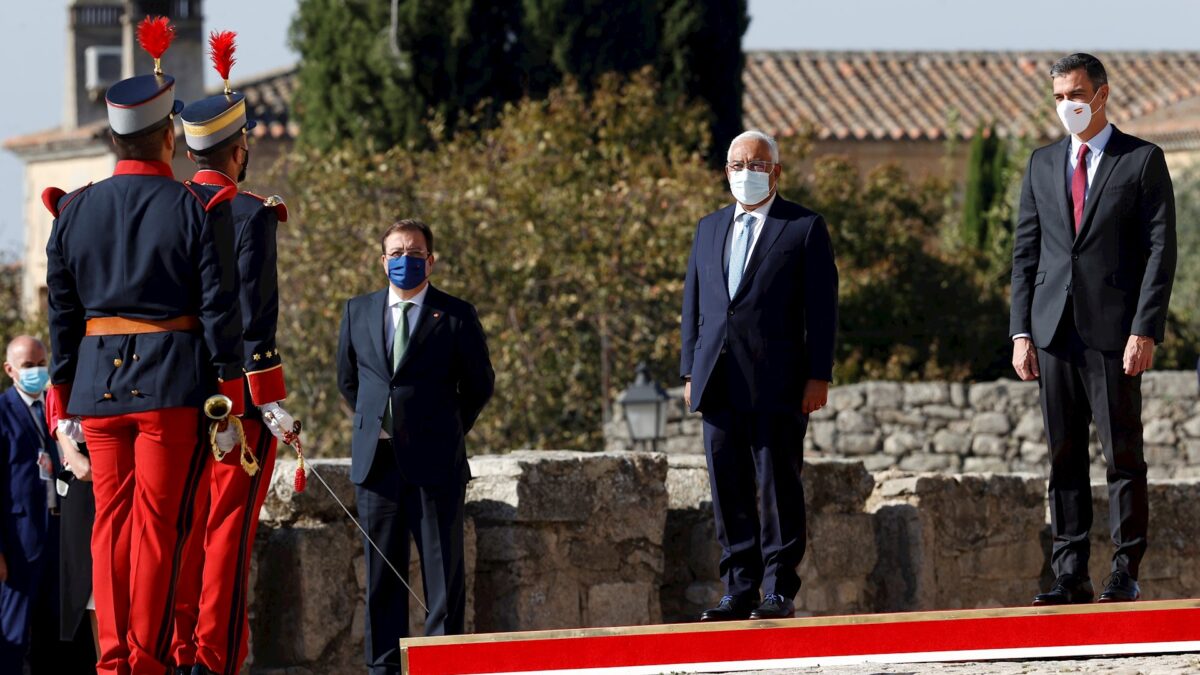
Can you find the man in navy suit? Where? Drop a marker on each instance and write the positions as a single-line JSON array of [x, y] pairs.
[[29, 464], [759, 319], [413, 364]]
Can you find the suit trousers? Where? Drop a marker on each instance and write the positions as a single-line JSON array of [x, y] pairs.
[[29, 609], [390, 508], [211, 627], [755, 460], [1080, 385], [147, 469]]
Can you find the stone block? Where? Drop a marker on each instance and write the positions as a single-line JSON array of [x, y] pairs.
[[847, 397], [884, 395], [621, 604], [942, 412], [855, 445], [947, 442], [284, 505], [991, 423], [1031, 426], [823, 434], [901, 443], [987, 445], [1159, 431], [958, 395], [1170, 384], [855, 422], [925, 393], [922, 462], [984, 465]]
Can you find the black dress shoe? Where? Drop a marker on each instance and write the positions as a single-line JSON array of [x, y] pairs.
[[1121, 588], [731, 608], [1067, 590], [774, 606]]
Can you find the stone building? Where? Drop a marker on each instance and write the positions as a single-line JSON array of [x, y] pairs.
[[911, 108]]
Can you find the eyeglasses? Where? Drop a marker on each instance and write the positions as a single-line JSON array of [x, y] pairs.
[[757, 165], [414, 253]]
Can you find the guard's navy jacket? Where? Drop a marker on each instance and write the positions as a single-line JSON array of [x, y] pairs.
[[140, 245], [255, 221]]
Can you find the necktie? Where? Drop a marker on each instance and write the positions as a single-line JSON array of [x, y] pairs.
[[46, 455], [737, 257], [399, 344], [1079, 186]]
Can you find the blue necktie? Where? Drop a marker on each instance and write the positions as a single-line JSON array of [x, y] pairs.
[[737, 257]]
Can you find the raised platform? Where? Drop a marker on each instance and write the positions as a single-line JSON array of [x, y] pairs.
[[1166, 626]]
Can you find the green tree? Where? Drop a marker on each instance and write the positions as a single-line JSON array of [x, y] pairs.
[[983, 188], [363, 83]]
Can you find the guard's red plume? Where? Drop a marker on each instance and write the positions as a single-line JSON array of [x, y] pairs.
[[155, 34], [221, 46]]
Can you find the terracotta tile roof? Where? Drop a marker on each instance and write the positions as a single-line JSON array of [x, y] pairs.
[[880, 96], [932, 96]]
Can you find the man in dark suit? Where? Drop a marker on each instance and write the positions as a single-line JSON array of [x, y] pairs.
[[29, 523], [413, 364], [1093, 265], [759, 319]]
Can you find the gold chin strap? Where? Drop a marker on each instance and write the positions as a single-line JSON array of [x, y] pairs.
[[217, 409]]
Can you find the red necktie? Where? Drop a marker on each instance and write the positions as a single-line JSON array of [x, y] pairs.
[[1079, 186]]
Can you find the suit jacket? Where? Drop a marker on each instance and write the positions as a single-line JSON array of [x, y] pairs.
[[1120, 268], [778, 330], [24, 514], [255, 222], [141, 245], [437, 392]]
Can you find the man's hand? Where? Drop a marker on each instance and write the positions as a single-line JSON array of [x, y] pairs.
[[227, 438], [1025, 360], [687, 394], [278, 420], [816, 394], [1139, 355], [80, 465]]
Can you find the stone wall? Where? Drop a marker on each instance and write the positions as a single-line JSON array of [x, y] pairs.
[[955, 427], [561, 539]]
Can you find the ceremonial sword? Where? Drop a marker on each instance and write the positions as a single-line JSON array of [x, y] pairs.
[[292, 438]]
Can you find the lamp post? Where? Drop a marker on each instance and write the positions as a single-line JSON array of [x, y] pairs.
[[645, 405]]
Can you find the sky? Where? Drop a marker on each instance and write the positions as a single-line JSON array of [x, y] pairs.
[[35, 39]]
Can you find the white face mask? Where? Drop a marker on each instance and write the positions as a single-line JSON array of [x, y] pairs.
[[750, 187], [1076, 116]]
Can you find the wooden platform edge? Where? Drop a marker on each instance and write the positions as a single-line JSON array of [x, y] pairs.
[[838, 620]]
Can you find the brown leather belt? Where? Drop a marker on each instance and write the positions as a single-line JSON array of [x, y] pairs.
[[119, 325]]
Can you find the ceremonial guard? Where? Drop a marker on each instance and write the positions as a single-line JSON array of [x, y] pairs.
[[145, 326], [211, 627]]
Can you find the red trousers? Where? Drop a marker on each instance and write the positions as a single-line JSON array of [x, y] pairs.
[[146, 469], [210, 610]]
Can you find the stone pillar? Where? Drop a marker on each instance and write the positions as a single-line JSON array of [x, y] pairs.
[[958, 541], [567, 539]]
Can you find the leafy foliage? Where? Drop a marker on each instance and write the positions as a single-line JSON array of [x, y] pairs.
[[12, 323]]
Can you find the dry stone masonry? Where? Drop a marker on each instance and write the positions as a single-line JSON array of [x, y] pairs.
[[954, 427]]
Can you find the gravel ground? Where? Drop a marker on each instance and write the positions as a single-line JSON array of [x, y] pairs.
[[1171, 664]]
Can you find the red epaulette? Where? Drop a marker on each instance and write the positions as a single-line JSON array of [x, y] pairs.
[[51, 197], [274, 202]]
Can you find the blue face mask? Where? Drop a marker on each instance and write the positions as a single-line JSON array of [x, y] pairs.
[[33, 381], [407, 273]]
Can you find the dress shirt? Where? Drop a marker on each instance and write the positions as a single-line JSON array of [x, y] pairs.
[[391, 321], [757, 218], [1095, 150]]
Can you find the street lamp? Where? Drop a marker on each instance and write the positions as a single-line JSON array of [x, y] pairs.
[[645, 405]]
